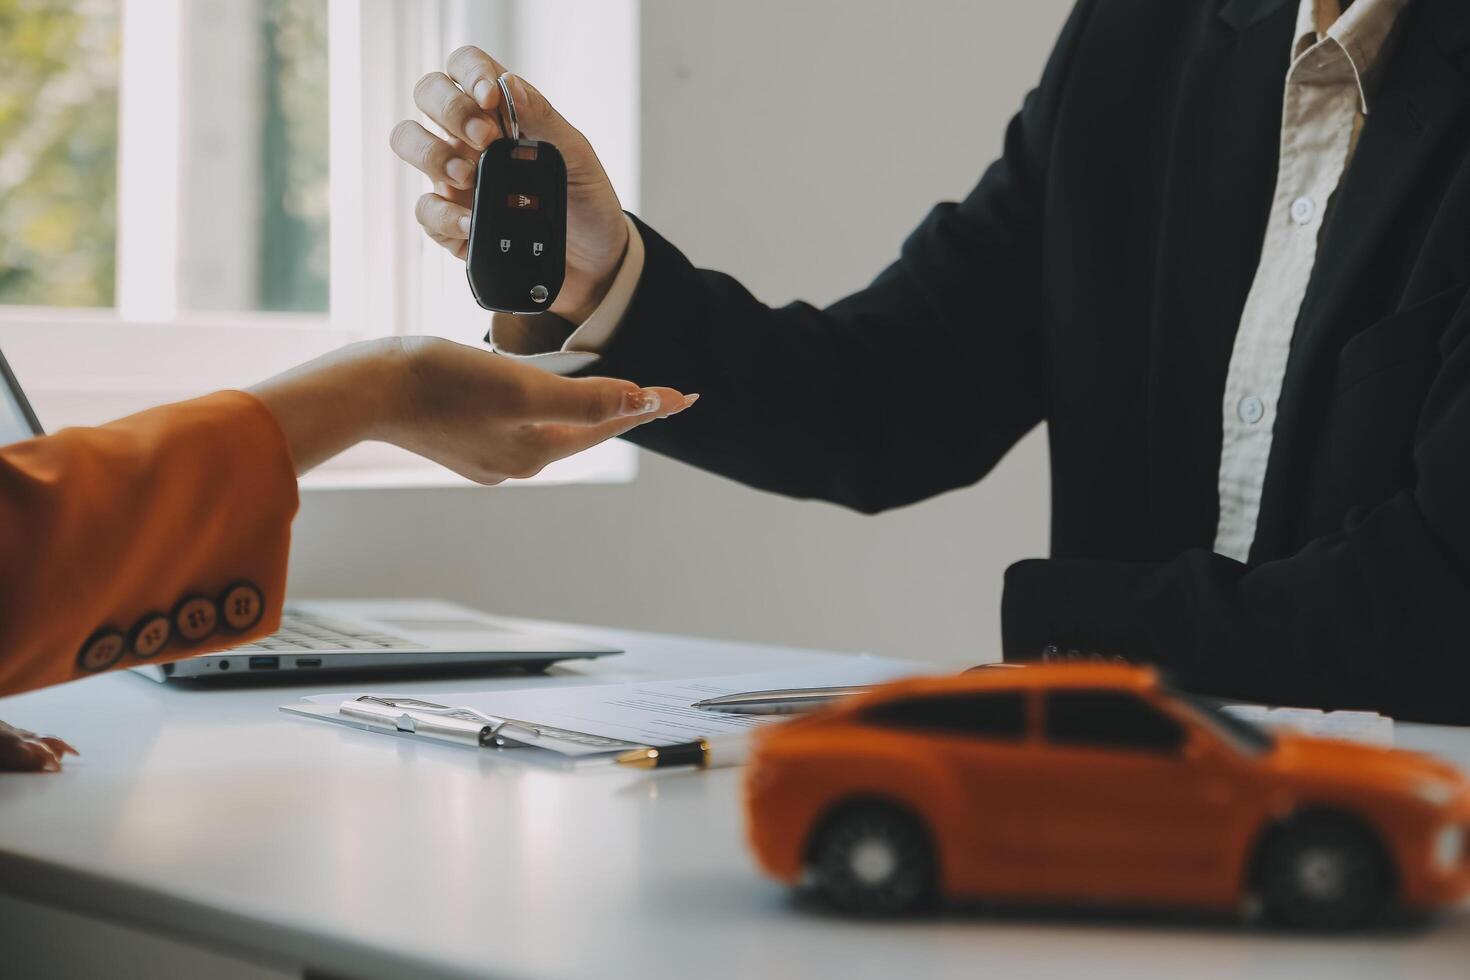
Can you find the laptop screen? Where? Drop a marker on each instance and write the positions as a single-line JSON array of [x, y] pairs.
[[16, 420]]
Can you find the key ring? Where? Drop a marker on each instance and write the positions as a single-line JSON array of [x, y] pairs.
[[510, 106]]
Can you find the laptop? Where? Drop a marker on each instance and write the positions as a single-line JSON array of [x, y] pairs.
[[346, 635]]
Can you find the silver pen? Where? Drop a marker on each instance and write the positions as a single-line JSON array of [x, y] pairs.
[[454, 724], [798, 699], [780, 702]]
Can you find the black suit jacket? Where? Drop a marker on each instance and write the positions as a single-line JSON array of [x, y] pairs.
[[1094, 279]]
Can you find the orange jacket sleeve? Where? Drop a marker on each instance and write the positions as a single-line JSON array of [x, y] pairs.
[[152, 538]]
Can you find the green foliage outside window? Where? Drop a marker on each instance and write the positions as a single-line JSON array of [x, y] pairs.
[[58, 151], [59, 70], [294, 230]]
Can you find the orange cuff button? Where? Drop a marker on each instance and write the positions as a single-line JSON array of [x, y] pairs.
[[102, 649], [150, 636], [195, 618], [242, 605]]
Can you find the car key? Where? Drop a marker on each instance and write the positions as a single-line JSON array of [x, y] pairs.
[[518, 225]]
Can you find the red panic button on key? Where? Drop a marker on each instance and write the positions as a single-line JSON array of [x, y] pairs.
[[523, 202]]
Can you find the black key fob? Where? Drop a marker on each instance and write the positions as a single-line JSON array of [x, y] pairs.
[[518, 227]]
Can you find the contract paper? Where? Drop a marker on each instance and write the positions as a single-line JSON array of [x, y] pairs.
[[1355, 726], [656, 713]]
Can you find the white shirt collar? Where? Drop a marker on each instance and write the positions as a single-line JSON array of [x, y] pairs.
[[1361, 33]]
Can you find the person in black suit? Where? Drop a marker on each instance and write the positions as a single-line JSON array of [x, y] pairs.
[[1240, 306]]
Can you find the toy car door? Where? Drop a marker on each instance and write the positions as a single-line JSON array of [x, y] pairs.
[[982, 820], [1128, 811]]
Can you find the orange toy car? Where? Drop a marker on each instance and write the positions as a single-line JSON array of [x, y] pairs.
[[1096, 783]]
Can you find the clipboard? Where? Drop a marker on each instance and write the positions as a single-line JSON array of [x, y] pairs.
[[583, 723]]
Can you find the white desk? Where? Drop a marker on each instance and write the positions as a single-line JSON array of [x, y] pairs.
[[212, 818]]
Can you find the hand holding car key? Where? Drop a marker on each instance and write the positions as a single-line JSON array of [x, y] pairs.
[[466, 101], [518, 225]]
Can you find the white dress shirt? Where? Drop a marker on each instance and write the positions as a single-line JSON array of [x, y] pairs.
[[1325, 103], [1334, 54]]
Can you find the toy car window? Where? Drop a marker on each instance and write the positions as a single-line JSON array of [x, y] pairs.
[[1249, 738], [989, 714], [1109, 719]]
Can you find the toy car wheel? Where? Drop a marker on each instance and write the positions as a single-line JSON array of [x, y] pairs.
[[1324, 872], [874, 860]]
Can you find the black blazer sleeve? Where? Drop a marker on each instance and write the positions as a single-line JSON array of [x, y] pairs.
[[1376, 614], [915, 385]]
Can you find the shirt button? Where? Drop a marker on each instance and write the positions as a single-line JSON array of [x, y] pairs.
[[1302, 210], [1251, 409]]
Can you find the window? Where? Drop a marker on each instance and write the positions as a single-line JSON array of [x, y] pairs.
[[58, 152], [216, 156], [1109, 720], [195, 194], [990, 714]]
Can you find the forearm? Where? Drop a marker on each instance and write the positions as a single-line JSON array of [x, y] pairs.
[[909, 387], [1373, 617], [782, 405], [1374, 614], [165, 534], [336, 401], [104, 531]]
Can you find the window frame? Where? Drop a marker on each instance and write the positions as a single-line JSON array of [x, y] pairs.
[[385, 277]]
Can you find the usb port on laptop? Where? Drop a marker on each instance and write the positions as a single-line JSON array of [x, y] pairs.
[[308, 661], [265, 663]]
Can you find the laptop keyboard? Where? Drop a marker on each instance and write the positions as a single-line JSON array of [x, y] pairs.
[[300, 631]]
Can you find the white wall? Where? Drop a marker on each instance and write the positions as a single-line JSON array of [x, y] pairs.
[[792, 145]]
